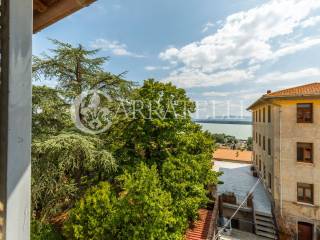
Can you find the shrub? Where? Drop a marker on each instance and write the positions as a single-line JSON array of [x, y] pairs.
[[41, 231], [92, 216]]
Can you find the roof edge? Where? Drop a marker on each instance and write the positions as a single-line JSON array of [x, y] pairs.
[[268, 97]]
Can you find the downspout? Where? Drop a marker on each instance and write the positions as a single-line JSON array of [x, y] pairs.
[[280, 162]]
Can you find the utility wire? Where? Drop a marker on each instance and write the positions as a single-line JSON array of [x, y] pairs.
[[245, 199]]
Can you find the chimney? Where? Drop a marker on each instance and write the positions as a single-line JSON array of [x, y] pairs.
[[268, 91]]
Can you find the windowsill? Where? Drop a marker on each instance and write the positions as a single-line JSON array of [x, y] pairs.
[[311, 164], [306, 204]]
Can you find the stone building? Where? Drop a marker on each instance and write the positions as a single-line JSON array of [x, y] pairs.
[[286, 155]]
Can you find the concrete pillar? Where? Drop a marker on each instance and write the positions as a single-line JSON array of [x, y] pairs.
[[15, 118]]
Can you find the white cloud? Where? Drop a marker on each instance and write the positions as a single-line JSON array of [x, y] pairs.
[[242, 94], [207, 26], [154, 68], [245, 37], [304, 74], [297, 46], [188, 78], [216, 94], [115, 47], [310, 21]]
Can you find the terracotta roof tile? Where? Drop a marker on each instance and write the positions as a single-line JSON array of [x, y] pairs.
[[308, 89], [232, 155], [199, 231]]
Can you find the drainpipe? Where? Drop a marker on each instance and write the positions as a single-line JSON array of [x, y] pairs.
[[280, 162]]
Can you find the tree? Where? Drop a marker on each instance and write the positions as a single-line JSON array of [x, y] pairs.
[[50, 114], [141, 211], [160, 112], [93, 215], [188, 174], [144, 210], [76, 70], [64, 166], [249, 144]]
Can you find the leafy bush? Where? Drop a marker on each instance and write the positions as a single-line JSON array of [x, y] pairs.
[[141, 211], [41, 231], [92, 217]]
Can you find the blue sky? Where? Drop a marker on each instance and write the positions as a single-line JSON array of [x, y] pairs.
[[228, 52]]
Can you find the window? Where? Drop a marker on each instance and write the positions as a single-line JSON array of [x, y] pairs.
[[264, 171], [256, 137], [304, 113], [269, 146], [269, 113], [305, 152], [264, 115], [270, 180], [260, 164], [256, 116], [260, 140], [257, 159], [305, 193], [259, 115], [264, 143]]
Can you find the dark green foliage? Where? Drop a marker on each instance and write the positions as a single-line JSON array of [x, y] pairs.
[[93, 216], [50, 114], [63, 166], [41, 231], [141, 211], [249, 144], [161, 111], [145, 178], [144, 208]]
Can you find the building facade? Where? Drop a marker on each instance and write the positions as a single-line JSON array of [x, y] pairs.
[[286, 154]]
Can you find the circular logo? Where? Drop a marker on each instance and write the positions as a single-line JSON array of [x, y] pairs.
[[89, 112]]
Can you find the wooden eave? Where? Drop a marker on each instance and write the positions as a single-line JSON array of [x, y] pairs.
[[47, 12]]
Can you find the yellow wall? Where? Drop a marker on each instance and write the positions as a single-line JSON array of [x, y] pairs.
[[285, 132]]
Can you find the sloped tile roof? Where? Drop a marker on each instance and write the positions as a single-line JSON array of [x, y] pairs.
[[232, 155], [307, 90], [200, 229]]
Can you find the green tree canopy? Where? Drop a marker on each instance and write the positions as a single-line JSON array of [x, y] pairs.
[[50, 114], [63, 166], [141, 211]]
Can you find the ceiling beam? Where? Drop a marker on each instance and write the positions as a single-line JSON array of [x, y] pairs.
[[57, 11], [39, 6]]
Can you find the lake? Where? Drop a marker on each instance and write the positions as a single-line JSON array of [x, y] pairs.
[[240, 131]]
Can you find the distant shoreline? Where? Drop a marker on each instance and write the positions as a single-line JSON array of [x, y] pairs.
[[242, 122]]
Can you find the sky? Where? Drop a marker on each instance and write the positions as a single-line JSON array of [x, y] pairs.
[[224, 53]]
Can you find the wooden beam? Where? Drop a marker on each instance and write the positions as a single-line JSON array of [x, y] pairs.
[[58, 11], [39, 6]]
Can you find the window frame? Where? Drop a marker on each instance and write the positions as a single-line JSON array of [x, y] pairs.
[[269, 146], [304, 158], [301, 109], [269, 114], [259, 115], [269, 180], [304, 198], [259, 139]]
